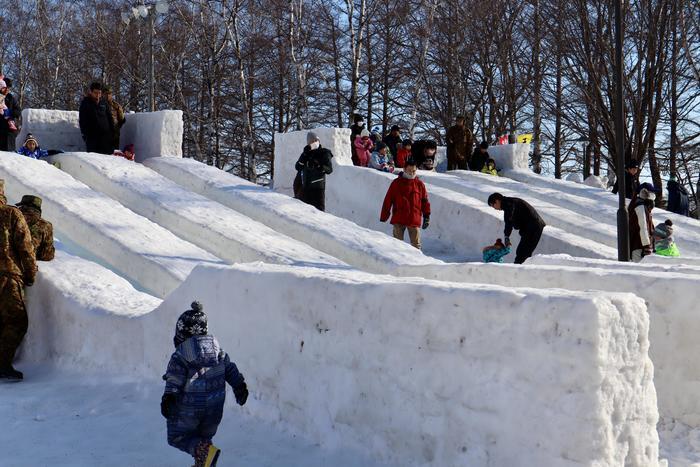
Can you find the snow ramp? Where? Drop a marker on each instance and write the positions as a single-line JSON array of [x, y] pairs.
[[152, 257], [361, 247], [210, 225], [423, 373]]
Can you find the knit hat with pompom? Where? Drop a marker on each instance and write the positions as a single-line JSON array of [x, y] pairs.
[[191, 323]]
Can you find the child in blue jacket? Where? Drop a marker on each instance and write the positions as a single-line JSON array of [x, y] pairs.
[[195, 388], [495, 253], [31, 148]]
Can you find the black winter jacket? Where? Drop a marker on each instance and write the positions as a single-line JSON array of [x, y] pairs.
[[478, 160], [520, 215], [314, 165], [631, 185], [95, 119]]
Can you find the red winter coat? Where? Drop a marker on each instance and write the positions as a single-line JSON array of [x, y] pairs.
[[407, 199], [402, 157]]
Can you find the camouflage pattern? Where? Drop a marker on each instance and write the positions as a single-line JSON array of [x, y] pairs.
[[42, 234], [17, 268]]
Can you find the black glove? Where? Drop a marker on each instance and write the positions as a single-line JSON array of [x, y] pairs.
[[167, 404], [507, 242], [426, 222], [647, 250], [241, 393]]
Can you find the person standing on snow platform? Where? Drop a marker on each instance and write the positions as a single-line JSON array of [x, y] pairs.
[[313, 166], [96, 122], [355, 130], [459, 145], [631, 179], [393, 141], [677, 197], [17, 270], [520, 215], [41, 229]]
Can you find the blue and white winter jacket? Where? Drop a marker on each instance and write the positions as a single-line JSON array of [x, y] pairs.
[[198, 372], [381, 162], [37, 153]]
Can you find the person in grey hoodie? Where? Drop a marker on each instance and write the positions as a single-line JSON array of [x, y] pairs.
[[195, 388]]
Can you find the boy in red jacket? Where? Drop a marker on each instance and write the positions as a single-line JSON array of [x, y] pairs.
[[407, 200]]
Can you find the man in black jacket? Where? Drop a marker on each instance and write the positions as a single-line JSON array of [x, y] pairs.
[[7, 137], [520, 215], [631, 181], [677, 197], [96, 123], [480, 157], [313, 166]]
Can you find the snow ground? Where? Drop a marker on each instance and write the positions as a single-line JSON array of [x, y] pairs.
[[67, 419]]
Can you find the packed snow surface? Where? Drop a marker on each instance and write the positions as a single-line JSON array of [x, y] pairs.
[[226, 233], [350, 357], [149, 255], [363, 248]]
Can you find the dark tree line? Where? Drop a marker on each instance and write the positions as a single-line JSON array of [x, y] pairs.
[[242, 70]]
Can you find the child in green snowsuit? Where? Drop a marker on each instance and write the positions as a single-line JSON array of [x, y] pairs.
[[663, 240]]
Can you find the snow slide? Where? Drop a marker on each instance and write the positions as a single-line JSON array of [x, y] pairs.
[[363, 248], [81, 315], [666, 264], [216, 228], [149, 255], [429, 373], [672, 312], [589, 201]]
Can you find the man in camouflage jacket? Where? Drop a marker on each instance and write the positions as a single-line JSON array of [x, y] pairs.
[[41, 230], [17, 269]]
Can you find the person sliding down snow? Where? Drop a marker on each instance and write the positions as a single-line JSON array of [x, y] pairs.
[[495, 253], [195, 388], [520, 215], [31, 148], [664, 243]]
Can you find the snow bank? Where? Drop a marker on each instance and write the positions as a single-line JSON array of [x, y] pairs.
[[511, 156], [648, 265], [430, 373], [596, 182], [84, 316], [591, 231], [54, 129], [586, 200], [152, 133], [672, 311], [216, 228], [289, 146], [150, 256], [358, 246]]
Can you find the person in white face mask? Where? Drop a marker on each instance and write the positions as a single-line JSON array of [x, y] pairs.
[[312, 167], [407, 202]]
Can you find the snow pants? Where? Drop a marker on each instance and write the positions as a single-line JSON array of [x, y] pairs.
[[13, 319], [188, 427], [316, 198], [413, 234], [529, 238]]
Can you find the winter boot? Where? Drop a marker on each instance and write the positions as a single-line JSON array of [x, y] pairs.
[[200, 453], [10, 374], [212, 456]]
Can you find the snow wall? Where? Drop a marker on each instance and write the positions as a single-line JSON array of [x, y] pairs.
[[210, 225], [511, 156], [672, 310], [460, 224], [432, 374], [104, 230], [647, 265], [82, 315], [152, 133], [363, 248]]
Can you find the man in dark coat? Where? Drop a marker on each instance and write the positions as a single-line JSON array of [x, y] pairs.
[[313, 165], [423, 153], [677, 197], [7, 137], [459, 145], [393, 140], [355, 130], [631, 179], [520, 215], [96, 123], [17, 270], [480, 157]]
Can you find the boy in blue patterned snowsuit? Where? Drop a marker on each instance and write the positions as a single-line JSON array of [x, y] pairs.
[[195, 388]]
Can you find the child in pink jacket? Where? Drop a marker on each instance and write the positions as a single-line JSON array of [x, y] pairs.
[[363, 148]]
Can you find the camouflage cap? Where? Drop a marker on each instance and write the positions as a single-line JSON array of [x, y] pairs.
[[30, 201]]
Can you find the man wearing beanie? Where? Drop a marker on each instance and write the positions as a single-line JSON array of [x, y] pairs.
[[313, 166], [17, 269], [195, 387], [41, 230]]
